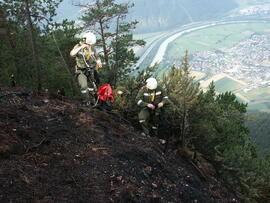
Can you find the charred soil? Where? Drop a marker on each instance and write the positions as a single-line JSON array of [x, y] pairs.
[[54, 149]]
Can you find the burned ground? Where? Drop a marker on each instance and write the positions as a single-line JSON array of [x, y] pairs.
[[54, 150]]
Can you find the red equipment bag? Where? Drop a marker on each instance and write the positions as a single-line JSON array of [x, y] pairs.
[[105, 92]]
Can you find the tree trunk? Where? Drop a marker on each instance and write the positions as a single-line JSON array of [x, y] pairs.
[[5, 30], [183, 127], [106, 57], [116, 64], [36, 62]]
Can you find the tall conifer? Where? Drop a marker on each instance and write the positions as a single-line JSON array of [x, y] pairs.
[[183, 91]]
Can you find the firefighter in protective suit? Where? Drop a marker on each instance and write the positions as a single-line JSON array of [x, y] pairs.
[[152, 99], [87, 66]]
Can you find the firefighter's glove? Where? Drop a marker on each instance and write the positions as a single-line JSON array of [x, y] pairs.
[[84, 46], [160, 105], [99, 64], [150, 106]]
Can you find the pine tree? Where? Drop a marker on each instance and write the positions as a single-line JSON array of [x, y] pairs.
[[219, 122], [56, 46], [33, 15], [258, 124], [183, 92]]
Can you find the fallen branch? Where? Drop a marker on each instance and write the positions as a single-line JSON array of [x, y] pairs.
[[94, 149], [198, 170], [36, 146]]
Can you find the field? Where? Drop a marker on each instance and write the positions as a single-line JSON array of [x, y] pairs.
[[222, 36], [224, 78], [262, 93], [264, 107], [257, 99], [227, 84]]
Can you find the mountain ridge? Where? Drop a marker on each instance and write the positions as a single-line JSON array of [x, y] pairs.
[[175, 13], [156, 15]]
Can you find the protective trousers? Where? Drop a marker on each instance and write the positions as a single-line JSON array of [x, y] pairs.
[[149, 120], [87, 84]]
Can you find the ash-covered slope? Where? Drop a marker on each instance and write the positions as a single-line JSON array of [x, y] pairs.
[[56, 150]]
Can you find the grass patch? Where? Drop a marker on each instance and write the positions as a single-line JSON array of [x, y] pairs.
[[257, 94], [227, 84], [264, 107]]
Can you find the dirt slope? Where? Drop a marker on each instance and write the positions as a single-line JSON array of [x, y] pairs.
[[54, 150]]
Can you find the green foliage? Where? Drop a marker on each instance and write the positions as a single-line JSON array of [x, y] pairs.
[[215, 126], [130, 87], [56, 45], [35, 14], [53, 41], [183, 92], [122, 57], [258, 124], [42, 11], [223, 138]]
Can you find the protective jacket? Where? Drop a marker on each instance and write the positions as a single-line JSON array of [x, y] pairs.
[[86, 58], [87, 75], [146, 96]]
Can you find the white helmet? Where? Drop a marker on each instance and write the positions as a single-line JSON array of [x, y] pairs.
[[151, 83], [90, 38]]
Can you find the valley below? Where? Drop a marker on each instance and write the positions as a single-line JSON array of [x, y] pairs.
[[233, 54]]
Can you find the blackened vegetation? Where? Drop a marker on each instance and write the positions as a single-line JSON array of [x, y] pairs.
[[53, 149]]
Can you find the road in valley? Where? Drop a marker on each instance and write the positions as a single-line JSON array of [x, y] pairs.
[[153, 46], [159, 45], [165, 39]]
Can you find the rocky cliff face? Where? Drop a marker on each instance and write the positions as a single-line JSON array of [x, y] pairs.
[[54, 149]]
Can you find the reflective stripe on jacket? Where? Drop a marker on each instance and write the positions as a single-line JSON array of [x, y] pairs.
[[146, 96]]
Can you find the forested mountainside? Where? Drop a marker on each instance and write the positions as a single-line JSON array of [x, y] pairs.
[[258, 124], [156, 15], [163, 14], [250, 2]]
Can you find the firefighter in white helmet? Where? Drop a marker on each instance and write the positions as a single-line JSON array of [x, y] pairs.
[[87, 66], [151, 98]]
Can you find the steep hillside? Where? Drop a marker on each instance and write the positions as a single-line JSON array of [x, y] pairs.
[[53, 150], [250, 2], [162, 14], [156, 15], [258, 124]]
